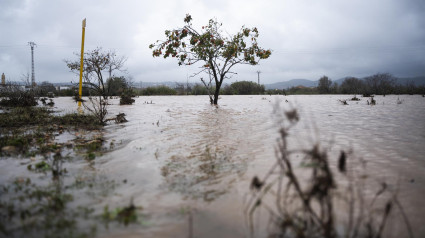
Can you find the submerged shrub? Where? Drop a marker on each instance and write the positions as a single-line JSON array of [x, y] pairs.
[[127, 97], [98, 107], [16, 96]]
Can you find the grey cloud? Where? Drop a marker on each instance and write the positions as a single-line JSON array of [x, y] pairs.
[[308, 39]]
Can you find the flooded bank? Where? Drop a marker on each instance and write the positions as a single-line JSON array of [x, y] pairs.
[[186, 166]]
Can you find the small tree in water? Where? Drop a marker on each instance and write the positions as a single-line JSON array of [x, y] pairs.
[[217, 53], [96, 63]]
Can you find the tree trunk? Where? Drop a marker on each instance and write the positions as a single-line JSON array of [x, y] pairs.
[[217, 91]]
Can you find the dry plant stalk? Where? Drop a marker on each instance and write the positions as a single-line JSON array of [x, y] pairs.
[[306, 207]]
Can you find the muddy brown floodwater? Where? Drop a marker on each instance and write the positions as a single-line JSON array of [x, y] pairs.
[[189, 164]]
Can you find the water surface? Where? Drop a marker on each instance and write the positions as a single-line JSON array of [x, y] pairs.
[[189, 164]]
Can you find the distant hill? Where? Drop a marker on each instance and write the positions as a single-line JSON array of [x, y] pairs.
[[291, 83], [170, 84], [417, 81]]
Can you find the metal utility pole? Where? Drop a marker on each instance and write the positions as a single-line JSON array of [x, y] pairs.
[[258, 72], [32, 44]]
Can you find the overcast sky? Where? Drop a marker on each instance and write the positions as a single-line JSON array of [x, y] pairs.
[[309, 38]]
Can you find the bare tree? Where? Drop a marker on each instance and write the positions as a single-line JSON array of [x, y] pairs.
[[351, 85], [381, 83], [116, 63], [96, 63]]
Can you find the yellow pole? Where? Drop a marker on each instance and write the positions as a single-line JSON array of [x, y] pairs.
[[80, 91]]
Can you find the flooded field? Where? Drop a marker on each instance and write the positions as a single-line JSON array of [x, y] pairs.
[[187, 166]]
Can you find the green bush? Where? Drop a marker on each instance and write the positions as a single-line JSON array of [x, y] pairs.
[[244, 88], [127, 97], [158, 90]]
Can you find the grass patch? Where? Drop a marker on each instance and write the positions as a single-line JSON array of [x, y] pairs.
[[80, 120], [20, 141], [27, 116], [24, 116], [32, 130]]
